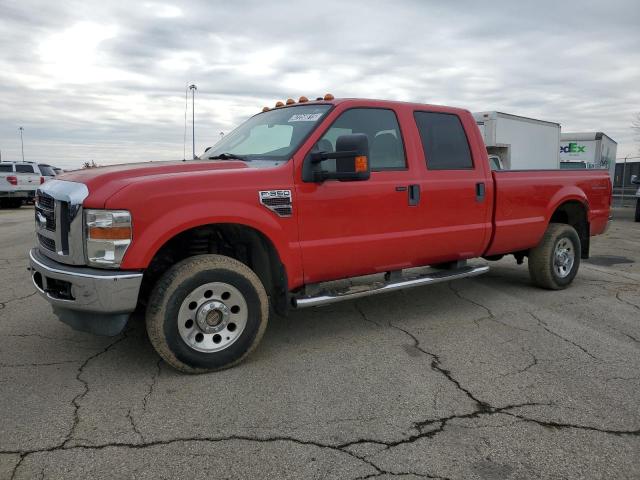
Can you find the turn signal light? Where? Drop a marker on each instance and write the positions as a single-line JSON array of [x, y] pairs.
[[279, 104], [12, 179], [328, 96], [361, 164], [290, 101], [110, 233], [303, 99]]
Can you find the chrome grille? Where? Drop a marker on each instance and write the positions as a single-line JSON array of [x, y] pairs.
[[45, 201], [47, 243], [59, 221], [45, 209]]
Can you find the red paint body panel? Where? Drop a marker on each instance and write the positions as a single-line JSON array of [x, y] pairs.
[[368, 227], [343, 229], [526, 200]]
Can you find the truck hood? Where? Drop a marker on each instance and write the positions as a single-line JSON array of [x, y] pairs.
[[103, 182]]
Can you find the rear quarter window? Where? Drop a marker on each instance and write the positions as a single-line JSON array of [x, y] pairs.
[[444, 141], [24, 169], [6, 168]]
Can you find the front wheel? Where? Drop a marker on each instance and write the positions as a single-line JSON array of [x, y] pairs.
[[207, 313], [637, 218], [554, 263]]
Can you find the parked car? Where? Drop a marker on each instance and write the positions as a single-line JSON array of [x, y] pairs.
[[295, 197], [47, 171], [636, 181], [18, 183]]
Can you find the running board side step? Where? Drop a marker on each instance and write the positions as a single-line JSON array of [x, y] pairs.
[[326, 297]]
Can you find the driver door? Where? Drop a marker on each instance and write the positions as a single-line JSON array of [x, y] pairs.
[[354, 228]]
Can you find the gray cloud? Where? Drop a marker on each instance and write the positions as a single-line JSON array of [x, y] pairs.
[[105, 80]]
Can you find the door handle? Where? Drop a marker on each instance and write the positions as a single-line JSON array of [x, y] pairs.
[[480, 191], [414, 195]]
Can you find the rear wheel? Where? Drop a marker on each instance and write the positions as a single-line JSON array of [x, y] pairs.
[[554, 263], [207, 313]]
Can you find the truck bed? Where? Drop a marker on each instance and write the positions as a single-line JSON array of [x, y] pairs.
[[525, 200]]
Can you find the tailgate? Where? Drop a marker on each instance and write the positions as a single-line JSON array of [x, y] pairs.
[[28, 181], [5, 186]]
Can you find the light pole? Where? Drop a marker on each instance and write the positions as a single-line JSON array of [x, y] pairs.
[[193, 89], [624, 172], [22, 142]]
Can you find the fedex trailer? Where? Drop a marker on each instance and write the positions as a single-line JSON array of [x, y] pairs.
[[521, 143], [588, 150]]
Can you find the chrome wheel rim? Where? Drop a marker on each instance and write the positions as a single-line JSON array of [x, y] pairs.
[[212, 317], [563, 257]]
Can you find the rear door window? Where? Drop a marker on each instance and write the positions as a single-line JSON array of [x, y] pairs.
[[444, 141], [25, 169], [6, 168]]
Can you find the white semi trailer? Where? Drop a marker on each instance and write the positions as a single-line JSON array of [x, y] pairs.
[[588, 150], [522, 143]]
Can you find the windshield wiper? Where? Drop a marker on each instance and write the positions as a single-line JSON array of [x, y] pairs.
[[229, 156]]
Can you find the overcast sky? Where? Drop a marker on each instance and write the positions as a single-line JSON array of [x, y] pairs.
[[105, 80]]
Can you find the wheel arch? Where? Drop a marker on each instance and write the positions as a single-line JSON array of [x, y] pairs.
[[245, 243], [575, 212]]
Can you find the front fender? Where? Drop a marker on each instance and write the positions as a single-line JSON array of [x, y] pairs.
[[152, 232]]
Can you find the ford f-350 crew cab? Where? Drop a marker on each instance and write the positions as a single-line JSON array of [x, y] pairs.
[[295, 197]]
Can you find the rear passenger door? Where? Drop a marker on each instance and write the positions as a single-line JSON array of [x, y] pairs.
[[456, 213]]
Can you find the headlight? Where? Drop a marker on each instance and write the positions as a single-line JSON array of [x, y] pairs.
[[108, 234]]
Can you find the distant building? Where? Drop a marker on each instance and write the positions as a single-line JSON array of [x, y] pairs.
[[632, 168]]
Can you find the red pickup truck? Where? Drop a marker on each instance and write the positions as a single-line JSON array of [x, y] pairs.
[[297, 196]]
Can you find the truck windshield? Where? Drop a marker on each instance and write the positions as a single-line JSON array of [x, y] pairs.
[[272, 135]]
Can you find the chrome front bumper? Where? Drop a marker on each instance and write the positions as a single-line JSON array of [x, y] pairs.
[[88, 299]]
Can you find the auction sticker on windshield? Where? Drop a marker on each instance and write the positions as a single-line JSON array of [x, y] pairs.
[[305, 117]]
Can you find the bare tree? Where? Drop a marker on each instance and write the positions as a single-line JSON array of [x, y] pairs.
[[90, 164]]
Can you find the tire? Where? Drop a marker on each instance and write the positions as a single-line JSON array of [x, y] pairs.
[[637, 216], [195, 304], [13, 203], [554, 263]]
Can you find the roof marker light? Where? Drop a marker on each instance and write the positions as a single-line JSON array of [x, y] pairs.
[[290, 101], [279, 104], [328, 97], [266, 109], [303, 99]]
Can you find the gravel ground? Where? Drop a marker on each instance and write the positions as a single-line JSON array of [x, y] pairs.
[[485, 378]]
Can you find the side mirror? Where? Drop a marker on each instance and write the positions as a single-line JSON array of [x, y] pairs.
[[635, 180], [352, 161]]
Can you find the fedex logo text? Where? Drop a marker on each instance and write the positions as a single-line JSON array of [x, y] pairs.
[[573, 148]]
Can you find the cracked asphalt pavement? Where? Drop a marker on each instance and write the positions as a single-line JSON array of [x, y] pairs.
[[484, 378]]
